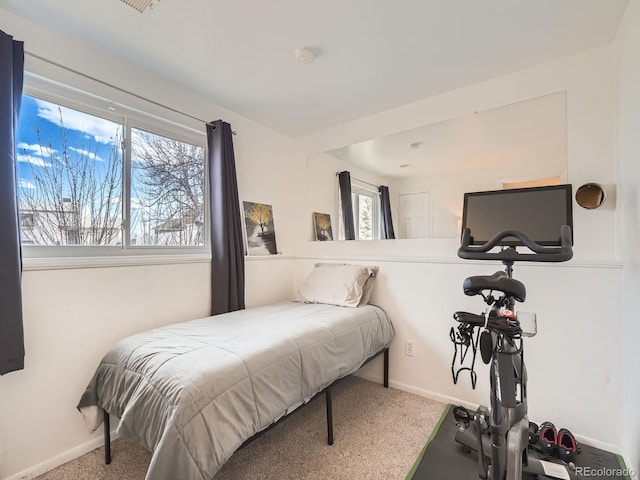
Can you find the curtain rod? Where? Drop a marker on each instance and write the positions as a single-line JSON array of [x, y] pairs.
[[361, 181], [120, 89]]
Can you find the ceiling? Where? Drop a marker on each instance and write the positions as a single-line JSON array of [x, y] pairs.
[[372, 55]]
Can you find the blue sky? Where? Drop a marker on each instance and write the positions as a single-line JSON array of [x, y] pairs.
[[86, 135]]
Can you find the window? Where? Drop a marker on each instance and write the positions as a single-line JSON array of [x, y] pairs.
[[366, 212], [91, 181], [26, 221], [167, 199]]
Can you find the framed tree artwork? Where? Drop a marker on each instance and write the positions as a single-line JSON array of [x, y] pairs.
[[259, 229], [322, 226]]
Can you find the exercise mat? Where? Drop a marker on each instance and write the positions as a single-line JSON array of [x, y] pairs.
[[443, 458]]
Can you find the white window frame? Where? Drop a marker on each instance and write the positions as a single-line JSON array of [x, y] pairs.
[[129, 118]]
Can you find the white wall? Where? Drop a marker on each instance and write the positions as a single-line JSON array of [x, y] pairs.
[[72, 316], [628, 48], [575, 363]]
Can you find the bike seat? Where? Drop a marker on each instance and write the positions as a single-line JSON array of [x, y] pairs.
[[499, 281]]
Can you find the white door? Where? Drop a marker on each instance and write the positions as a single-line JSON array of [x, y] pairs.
[[414, 215]]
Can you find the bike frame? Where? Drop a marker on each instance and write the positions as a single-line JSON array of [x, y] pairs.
[[508, 376], [508, 423], [507, 449]]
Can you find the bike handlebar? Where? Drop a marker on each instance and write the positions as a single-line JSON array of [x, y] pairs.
[[541, 253]]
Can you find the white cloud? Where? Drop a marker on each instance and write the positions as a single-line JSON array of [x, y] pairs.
[[37, 149], [37, 161], [39, 152], [101, 130], [87, 153], [26, 184]]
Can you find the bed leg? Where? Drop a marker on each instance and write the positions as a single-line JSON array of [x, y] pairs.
[[327, 392], [386, 368], [107, 438]]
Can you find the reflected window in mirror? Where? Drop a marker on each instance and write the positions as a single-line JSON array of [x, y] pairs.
[[366, 211]]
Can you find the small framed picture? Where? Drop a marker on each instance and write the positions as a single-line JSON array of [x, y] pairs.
[[322, 226], [260, 232]]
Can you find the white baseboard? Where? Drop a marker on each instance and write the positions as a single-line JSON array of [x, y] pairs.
[[598, 444], [420, 391], [60, 459], [456, 401]]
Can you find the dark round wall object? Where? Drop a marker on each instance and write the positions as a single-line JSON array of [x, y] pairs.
[[590, 195]]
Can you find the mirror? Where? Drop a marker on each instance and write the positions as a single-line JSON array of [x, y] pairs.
[[428, 169], [590, 196]]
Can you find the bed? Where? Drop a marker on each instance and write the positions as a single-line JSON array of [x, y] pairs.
[[193, 393]]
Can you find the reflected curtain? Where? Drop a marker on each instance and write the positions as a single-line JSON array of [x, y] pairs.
[[11, 329], [344, 181], [227, 250], [386, 222]]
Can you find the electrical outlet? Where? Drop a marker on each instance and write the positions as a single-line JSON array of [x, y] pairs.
[[408, 348]]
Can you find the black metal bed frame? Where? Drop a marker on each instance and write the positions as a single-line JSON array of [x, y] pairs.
[[326, 392]]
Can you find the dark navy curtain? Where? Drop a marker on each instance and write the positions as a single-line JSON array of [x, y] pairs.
[[11, 332], [385, 213], [344, 181], [227, 250]]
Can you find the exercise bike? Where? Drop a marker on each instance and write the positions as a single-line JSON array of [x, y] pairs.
[[501, 435]]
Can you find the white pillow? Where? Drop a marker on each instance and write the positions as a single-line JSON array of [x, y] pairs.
[[368, 288], [338, 284]]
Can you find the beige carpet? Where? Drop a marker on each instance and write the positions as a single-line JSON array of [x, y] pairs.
[[378, 434]]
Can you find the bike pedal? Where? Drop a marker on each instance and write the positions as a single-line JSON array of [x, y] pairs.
[[462, 416]]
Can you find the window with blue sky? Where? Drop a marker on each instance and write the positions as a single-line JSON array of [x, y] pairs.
[[73, 168]]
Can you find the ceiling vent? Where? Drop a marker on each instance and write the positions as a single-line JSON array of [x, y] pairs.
[[139, 5]]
